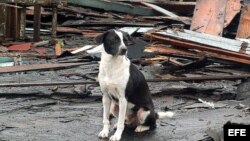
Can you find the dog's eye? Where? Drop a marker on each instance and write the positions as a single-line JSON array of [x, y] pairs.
[[116, 38], [125, 40]]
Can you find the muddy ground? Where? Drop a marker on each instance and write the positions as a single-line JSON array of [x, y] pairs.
[[75, 112], [40, 118]]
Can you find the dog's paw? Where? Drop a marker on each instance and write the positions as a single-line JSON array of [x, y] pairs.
[[141, 128], [115, 137], [103, 134]]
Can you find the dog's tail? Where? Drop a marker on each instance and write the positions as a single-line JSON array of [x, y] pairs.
[[161, 115]]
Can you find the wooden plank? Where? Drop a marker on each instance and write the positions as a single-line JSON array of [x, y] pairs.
[[175, 79], [208, 40], [218, 53], [115, 6], [162, 49], [82, 49], [187, 20], [159, 9], [244, 25], [78, 10], [42, 2], [68, 30], [163, 11], [232, 9], [209, 16], [109, 24], [35, 67], [58, 49]]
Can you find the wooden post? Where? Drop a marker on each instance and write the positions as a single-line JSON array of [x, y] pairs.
[[54, 22], [37, 22], [23, 22]]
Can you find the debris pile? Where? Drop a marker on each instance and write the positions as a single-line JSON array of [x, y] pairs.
[[187, 49]]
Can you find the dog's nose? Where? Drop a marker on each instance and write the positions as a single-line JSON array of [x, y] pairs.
[[123, 50]]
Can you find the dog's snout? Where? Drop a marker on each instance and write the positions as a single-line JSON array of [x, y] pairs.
[[123, 51]]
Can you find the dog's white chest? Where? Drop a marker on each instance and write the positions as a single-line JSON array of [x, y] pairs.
[[114, 74]]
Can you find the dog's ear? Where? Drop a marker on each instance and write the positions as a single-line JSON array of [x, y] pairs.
[[99, 38], [128, 40]]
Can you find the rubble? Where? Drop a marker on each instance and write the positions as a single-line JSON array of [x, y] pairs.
[[194, 54], [213, 46]]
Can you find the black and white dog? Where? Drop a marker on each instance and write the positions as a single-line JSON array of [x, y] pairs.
[[125, 92]]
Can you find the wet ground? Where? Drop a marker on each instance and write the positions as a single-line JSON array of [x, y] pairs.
[[74, 113], [64, 119]]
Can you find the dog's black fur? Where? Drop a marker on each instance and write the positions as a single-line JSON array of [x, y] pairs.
[[137, 90], [111, 42]]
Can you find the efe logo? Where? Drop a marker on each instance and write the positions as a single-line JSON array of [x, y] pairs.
[[234, 131]]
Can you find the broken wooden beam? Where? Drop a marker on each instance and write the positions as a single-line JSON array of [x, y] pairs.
[[85, 32], [197, 64], [214, 46], [188, 79], [164, 50], [232, 9], [110, 24], [168, 19], [205, 39], [181, 7], [35, 67], [115, 6], [209, 16], [216, 53], [244, 25], [197, 79], [164, 12], [72, 9], [160, 10]]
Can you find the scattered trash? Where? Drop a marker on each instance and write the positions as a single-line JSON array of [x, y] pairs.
[[6, 61], [211, 104], [186, 49], [20, 47]]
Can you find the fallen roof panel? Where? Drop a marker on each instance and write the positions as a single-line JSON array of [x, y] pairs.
[[206, 39], [210, 50], [115, 6]]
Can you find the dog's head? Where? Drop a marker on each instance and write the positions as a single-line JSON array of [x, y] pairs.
[[114, 41]]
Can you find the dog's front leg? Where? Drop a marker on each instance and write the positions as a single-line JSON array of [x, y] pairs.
[[106, 108], [121, 119]]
